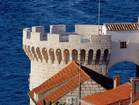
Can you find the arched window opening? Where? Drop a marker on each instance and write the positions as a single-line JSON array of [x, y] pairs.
[[82, 56], [66, 55], [105, 57], [74, 55], [98, 55], [52, 56], [39, 53], [34, 53], [45, 54], [59, 55], [90, 57], [30, 53]]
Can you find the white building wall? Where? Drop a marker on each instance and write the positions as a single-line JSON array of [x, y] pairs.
[[87, 30], [131, 53]]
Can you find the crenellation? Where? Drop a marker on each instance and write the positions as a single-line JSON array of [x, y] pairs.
[[43, 37], [57, 29], [39, 29], [58, 35], [53, 38], [27, 33], [87, 30], [35, 36], [64, 38], [74, 39]]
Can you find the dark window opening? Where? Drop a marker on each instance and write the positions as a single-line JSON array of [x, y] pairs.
[[66, 56], [74, 55], [45, 54], [98, 54], [52, 56], [105, 57], [123, 44], [82, 56], [90, 57], [59, 55]]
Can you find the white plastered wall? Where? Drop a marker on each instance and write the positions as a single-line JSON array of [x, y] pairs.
[[131, 53]]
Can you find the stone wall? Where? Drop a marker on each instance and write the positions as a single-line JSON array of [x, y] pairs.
[[87, 88]]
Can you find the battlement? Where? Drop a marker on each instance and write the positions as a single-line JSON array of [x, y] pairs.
[[58, 34], [37, 42]]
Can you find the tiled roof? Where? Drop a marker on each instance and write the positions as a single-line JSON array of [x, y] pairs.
[[112, 96], [67, 80], [136, 103], [122, 27]]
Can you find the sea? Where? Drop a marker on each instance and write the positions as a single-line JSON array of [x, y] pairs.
[[18, 14]]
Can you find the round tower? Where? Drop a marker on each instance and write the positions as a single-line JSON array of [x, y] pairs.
[[49, 52]]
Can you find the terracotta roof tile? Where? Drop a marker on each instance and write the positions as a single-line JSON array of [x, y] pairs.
[[57, 79], [69, 86], [122, 27], [67, 80], [110, 96], [62, 91], [136, 103]]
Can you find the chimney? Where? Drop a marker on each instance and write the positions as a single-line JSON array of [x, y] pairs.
[[116, 81], [134, 90]]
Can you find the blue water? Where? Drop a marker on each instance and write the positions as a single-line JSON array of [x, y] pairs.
[[17, 14], [125, 69]]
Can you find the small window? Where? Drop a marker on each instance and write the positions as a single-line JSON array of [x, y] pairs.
[[71, 100], [123, 44]]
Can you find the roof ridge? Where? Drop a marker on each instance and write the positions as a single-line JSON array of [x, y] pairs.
[[64, 70], [61, 84], [117, 94], [68, 79], [71, 85]]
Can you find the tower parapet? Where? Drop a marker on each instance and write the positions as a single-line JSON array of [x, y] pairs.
[[35, 38]]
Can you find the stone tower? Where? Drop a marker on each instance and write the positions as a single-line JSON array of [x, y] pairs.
[[50, 52]]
